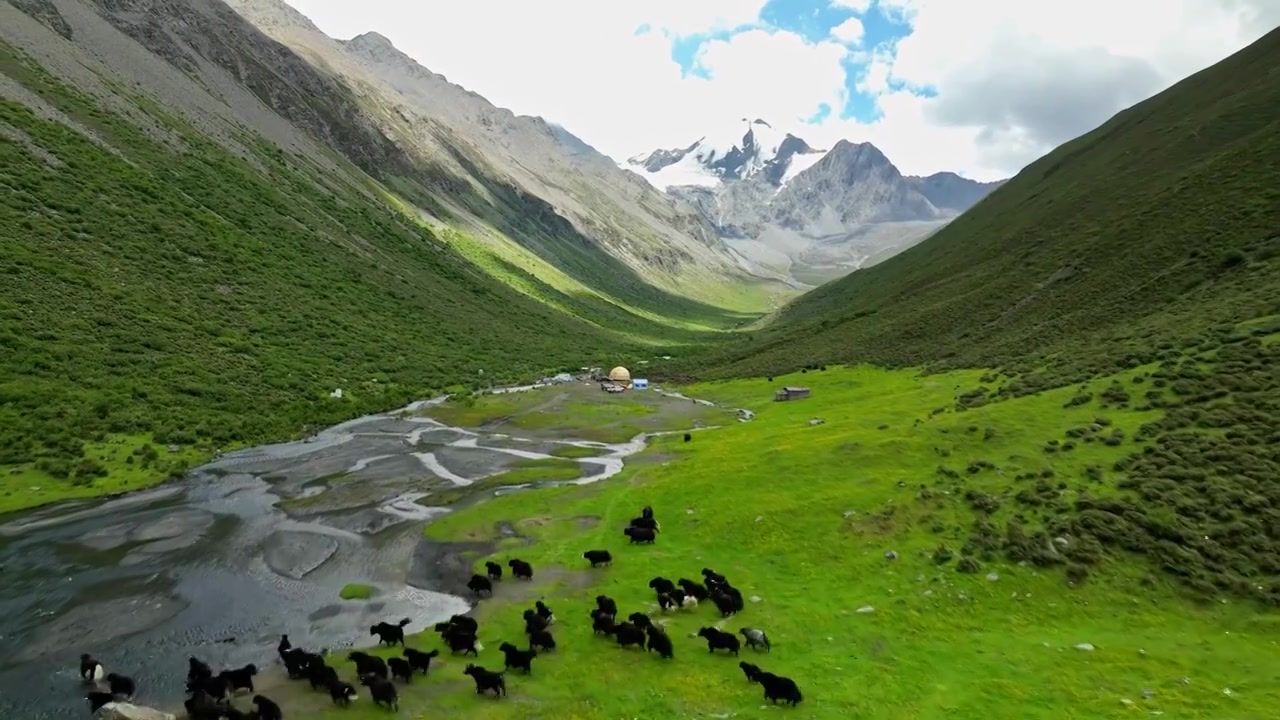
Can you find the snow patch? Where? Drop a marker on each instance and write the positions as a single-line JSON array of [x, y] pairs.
[[717, 144], [758, 140], [799, 163], [688, 171]]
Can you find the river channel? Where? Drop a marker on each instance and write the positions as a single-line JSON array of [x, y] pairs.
[[255, 544]]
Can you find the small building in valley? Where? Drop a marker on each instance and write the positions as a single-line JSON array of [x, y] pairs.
[[791, 393], [639, 384]]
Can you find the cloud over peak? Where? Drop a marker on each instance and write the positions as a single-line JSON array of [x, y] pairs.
[[980, 87]]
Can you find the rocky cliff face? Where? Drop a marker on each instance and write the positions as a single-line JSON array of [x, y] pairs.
[[46, 13], [852, 185], [606, 204], [395, 119]]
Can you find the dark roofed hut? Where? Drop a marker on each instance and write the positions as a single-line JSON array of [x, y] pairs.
[[791, 393]]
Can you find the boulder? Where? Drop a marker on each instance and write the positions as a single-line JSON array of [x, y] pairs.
[[129, 711]]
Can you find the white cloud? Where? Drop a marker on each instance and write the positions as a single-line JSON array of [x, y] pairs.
[[858, 6], [677, 16], [876, 69], [849, 31], [1015, 79], [1012, 78], [580, 63], [777, 76]]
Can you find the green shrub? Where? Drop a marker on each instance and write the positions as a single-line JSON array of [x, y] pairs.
[[1077, 573]]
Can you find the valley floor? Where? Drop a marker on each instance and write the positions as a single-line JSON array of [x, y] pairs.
[[801, 516]]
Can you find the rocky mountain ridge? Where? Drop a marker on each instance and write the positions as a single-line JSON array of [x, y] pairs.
[[728, 155], [810, 212], [657, 236], [515, 181]]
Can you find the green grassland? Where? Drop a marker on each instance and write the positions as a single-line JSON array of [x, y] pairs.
[[800, 516], [357, 591], [158, 289], [1108, 476], [118, 463], [575, 451], [535, 469], [578, 410]]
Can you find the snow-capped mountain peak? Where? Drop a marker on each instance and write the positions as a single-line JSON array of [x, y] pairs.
[[735, 152]]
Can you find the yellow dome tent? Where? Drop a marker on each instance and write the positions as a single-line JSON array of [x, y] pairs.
[[620, 375]]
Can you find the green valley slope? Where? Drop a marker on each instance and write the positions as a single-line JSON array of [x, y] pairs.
[[1151, 244], [195, 260], [518, 183], [1160, 225], [189, 298]]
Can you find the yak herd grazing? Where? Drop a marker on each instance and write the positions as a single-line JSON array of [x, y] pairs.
[[208, 692], [636, 630]]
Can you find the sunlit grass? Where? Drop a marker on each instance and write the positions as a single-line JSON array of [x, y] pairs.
[[799, 516], [356, 591]]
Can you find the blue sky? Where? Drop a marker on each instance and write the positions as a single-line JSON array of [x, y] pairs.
[[813, 20]]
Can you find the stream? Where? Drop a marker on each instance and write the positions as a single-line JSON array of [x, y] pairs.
[[257, 543]]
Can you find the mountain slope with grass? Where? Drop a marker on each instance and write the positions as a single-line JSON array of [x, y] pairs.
[[524, 163], [1158, 226], [206, 237], [1150, 246]]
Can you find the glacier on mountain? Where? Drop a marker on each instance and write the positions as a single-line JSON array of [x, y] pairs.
[[738, 151]]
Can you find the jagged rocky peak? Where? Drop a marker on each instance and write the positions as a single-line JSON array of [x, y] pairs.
[[826, 210], [740, 150], [859, 152], [853, 161], [658, 159]]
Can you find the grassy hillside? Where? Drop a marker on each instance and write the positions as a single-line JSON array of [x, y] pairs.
[[160, 291], [1150, 245], [525, 271], [1156, 228], [964, 623]]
